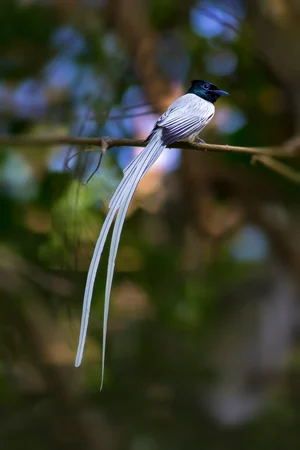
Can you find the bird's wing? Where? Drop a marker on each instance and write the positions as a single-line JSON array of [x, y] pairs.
[[187, 115]]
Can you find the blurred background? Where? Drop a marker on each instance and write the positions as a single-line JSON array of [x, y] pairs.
[[203, 342]]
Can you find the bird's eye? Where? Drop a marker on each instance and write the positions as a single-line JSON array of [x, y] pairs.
[[206, 86]]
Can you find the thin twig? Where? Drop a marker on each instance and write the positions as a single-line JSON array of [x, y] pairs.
[[96, 168], [278, 167], [138, 105], [131, 116], [103, 150], [70, 159], [215, 17]]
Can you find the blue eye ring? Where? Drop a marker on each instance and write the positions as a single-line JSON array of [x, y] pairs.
[[206, 86]]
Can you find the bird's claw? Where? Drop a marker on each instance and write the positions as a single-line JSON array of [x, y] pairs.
[[198, 140]]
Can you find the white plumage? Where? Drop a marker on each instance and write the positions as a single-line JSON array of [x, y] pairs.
[[184, 118]]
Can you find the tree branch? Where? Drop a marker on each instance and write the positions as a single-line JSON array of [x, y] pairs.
[[106, 143], [278, 167]]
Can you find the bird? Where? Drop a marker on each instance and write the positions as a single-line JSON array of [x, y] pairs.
[[185, 118]]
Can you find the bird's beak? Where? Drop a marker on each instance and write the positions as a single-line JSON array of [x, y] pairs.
[[220, 92]]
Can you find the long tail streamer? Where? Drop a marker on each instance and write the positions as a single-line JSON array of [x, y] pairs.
[[120, 201]]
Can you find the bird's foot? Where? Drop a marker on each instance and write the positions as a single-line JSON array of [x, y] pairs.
[[198, 140]]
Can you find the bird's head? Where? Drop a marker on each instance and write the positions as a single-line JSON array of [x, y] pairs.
[[206, 90]]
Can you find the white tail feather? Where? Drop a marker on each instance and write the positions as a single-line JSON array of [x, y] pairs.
[[133, 163], [120, 199], [128, 171], [130, 189], [90, 283]]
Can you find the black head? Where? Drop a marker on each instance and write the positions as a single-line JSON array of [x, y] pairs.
[[206, 90]]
